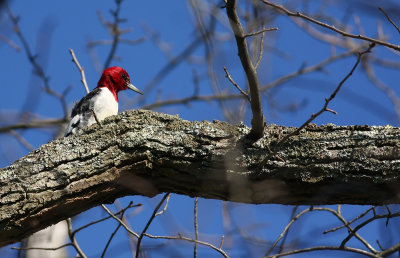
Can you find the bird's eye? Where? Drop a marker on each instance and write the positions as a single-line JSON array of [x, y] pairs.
[[124, 77]]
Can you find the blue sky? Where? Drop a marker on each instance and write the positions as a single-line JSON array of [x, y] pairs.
[[71, 24]]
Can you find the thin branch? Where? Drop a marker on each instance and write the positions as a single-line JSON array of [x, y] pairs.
[[337, 214], [294, 210], [106, 218], [323, 109], [321, 248], [132, 239], [10, 42], [385, 63], [257, 122], [227, 75], [349, 222], [286, 229], [22, 140], [95, 117], [379, 244], [33, 124], [165, 206], [37, 68], [260, 55], [222, 242], [112, 236], [110, 42], [120, 221], [383, 87], [317, 67], [148, 224], [196, 227], [390, 250], [331, 27], [155, 38], [332, 39], [260, 32], [116, 32], [180, 237], [362, 224], [73, 239], [41, 248], [388, 18], [277, 82], [172, 64], [389, 213], [81, 70]]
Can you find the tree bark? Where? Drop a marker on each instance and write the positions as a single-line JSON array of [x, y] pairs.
[[146, 153]]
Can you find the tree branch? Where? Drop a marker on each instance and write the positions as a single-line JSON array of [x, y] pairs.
[[257, 121], [147, 153], [332, 27], [81, 70]]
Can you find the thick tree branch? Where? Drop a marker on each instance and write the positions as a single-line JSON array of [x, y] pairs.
[[147, 153]]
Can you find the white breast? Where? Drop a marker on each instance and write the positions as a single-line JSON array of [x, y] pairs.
[[101, 101], [104, 104]]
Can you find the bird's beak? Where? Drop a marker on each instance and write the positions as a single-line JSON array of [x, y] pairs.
[[130, 86]]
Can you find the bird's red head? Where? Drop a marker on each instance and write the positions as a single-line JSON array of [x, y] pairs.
[[116, 79]]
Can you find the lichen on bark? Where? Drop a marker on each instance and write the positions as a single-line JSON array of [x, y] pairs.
[[144, 152]]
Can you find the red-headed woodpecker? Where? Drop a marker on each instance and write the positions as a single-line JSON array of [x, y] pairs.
[[102, 101]]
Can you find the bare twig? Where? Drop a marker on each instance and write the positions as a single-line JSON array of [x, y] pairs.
[[110, 42], [382, 86], [33, 124], [37, 68], [322, 110], [286, 230], [10, 42], [165, 206], [196, 227], [321, 248], [95, 117], [148, 224], [73, 239], [172, 64], [389, 213], [277, 82], [337, 214], [281, 248], [390, 250], [116, 32], [180, 237], [331, 27], [81, 70], [261, 50], [227, 75], [257, 122], [120, 221], [22, 140], [317, 67], [130, 205], [349, 222], [362, 224], [41, 248], [390, 20], [222, 242], [112, 236], [260, 32], [132, 239]]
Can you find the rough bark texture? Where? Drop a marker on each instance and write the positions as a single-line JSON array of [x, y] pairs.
[[146, 153]]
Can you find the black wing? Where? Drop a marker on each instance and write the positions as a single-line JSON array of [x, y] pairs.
[[83, 105]]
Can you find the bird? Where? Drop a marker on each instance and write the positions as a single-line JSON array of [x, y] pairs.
[[102, 101]]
